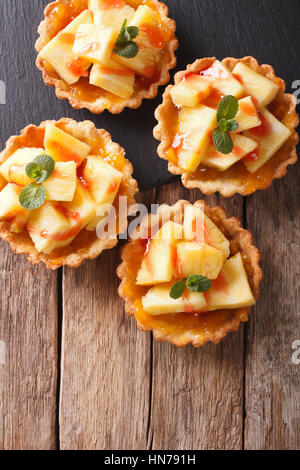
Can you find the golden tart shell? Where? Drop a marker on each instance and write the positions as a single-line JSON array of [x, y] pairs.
[[86, 245], [211, 326], [236, 179], [100, 100]]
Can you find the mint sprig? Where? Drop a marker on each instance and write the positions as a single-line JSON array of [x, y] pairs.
[[227, 111], [40, 169], [194, 283], [125, 47]]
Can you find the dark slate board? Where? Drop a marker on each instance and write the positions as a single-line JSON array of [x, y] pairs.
[[266, 29]]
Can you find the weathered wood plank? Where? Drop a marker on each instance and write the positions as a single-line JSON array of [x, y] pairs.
[[273, 381], [28, 354], [197, 399], [105, 389]]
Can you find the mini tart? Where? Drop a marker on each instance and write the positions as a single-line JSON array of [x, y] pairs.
[[192, 327], [82, 94], [237, 178], [84, 241]]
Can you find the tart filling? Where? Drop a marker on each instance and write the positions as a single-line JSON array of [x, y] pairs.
[[106, 54], [54, 217], [262, 129], [195, 279]]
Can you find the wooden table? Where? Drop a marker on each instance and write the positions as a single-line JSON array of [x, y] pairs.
[[77, 374]]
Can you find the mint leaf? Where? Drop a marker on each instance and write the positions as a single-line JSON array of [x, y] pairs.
[[232, 125], [46, 165], [133, 31], [197, 283], [223, 141], [178, 289], [129, 50], [228, 108], [33, 196], [33, 170], [125, 47]]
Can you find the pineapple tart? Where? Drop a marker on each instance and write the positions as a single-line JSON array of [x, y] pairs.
[[106, 54], [54, 179], [227, 126]]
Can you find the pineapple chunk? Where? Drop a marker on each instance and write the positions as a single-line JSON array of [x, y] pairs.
[[234, 291], [223, 80], [103, 183], [247, 116], [157, 301], [191, 91], [82, 209], [198, 227], [2, 182], [19, 222], [195, 127], [149, 40], [158, 264], [170, 231], [10, 206], [49, 228], [13, 169], [62, 183], [257, 85], [59, 51], [94, 43], [271, 136], [114, 78], [111, 13], [198, 258], [63, 147], [242, 147]]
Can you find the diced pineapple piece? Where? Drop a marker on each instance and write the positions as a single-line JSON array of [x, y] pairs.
[[195, 128], [13, 169], [271, 136], [242, 147], [82, 209], [19, 222], [257, 85], [232, 290], [114, 78], [62, 183], [158, 264], [10, 206], [198, 258], [2, 182], [198, 227], [170, 231], [247, 116], [111, 13], [191, 91], [157, 301], [59, 51], [95, 43], [49, 228], [102, 182], [223, 80], [149, 40], [63, 147]]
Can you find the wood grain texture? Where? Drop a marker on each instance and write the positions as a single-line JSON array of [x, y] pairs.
[[273, 381], [197, 395], [28, 360], [105, 363]]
